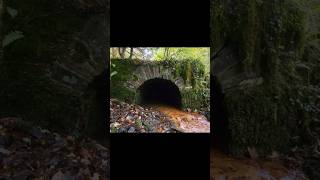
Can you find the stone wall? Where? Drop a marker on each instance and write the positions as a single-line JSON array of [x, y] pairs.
[[228, 69], [46, 76]]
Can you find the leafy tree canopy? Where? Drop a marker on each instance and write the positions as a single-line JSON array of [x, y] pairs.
[[163, 53]]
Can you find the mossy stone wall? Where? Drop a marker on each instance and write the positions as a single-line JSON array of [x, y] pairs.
[[44, 76], [271, 37]]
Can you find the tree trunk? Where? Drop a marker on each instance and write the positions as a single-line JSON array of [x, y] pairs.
[[114, 52], [131, 53], [122, 52], [166, 53]]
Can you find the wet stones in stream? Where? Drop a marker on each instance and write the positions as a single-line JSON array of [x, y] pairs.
[[132, 118], [129, 118]]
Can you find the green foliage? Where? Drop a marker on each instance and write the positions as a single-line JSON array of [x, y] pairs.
[[26, 89], [191, 70], [138, 123], [113, 72], [12, 12], [176, 54], [41, 102], [46, 30], [124, 69], [11, 37], [280, 40], [259, 118], [164, 54], [198, 97]]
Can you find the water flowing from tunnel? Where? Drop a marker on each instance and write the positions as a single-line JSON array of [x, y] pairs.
[[189, 122], [164, 96], [224, 166]]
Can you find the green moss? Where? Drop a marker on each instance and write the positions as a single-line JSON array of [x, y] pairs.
[[270, 36], [193, 73], [256, 119], [27, 91], [138, 123], [196, 98], [45, 28], [191, 70], [35, 98], [124, 69]]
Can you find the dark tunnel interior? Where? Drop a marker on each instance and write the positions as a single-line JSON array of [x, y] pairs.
[[160, 91], [98, 87], [220, 124]]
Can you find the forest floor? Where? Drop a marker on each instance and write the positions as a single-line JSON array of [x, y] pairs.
[[235, 168], [28, 152], [132, 118]]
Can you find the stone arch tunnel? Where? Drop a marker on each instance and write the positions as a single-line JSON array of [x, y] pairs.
[[171, 87], [58, 70], [151, 82], [227, 75]]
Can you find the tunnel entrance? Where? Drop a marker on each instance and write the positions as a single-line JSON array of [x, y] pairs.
[[95, 109], [159, 91], [220, 125]]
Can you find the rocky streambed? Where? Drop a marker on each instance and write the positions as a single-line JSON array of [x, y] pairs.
[[131, 118], [225, 166]]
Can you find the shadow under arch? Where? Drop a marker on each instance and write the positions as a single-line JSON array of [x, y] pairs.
[[220, 126], [95, 109], [159, 91]]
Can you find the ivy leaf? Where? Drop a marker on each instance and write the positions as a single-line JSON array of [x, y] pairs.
[[114, 73], [11, 37], [13, 12]]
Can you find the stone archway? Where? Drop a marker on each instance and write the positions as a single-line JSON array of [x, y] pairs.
[[147, 71], [133, 73], [83, 71], [228, 74]]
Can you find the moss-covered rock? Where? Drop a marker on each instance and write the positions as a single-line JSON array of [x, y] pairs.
[[44, 76], [272, 39]]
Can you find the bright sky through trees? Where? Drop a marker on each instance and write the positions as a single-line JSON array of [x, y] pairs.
[[162, 53]]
